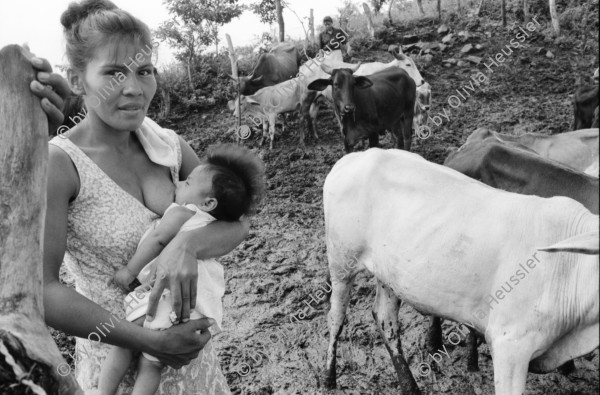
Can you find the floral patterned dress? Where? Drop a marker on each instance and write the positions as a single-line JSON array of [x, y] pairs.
[[105, 224]]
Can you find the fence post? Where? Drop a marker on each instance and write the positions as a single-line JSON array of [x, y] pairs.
[[23, 178]]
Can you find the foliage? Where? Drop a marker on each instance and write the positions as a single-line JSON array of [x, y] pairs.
[[265, 9], [376, 5], [195, 24]]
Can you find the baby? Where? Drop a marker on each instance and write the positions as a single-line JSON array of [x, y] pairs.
[[228, 184]]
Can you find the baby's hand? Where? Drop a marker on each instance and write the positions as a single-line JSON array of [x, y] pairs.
[[124, 278]]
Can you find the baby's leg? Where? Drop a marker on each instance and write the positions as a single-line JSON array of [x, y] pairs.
[[148, 377], [115, 366]]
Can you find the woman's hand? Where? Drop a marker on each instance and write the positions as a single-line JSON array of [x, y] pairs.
[[52, 88], [176, 269], [180, 344]]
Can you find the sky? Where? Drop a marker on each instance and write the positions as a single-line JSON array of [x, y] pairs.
[[37, 22]]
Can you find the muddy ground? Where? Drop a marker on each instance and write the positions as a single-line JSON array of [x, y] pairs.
[[273, 342]]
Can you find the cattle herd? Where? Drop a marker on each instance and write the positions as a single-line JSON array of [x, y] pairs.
[[504, 236]]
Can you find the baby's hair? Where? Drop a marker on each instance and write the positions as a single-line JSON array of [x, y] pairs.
[[92, 23], [238, 180]]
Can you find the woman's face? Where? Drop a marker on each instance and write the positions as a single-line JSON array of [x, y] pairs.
[[119, 84]]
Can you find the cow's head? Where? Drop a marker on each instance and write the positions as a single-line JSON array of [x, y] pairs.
[[343, 83], [405, 62], [246, 82]]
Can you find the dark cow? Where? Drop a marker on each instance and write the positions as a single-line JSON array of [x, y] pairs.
[[585, 102], [370, 105], [520, 170], [280, 64]]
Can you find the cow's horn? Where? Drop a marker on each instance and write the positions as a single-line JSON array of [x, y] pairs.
[[232, 77], [354, 67], [326, 68]]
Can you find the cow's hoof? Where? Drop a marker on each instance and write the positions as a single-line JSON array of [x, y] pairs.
[[472, 367]]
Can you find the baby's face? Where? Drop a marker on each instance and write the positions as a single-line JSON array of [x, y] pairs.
[[197, 188]]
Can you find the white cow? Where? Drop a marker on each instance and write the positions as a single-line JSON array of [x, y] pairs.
[[453, 247]]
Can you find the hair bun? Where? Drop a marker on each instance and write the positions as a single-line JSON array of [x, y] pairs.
[[77, 12]]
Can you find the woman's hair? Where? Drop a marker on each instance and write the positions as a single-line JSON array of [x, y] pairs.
[[92, 23], [238, 181]]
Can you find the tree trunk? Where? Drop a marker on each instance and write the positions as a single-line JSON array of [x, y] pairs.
[[554, 15], [390, 10], [280, 20], [420, 4], [311, 26], [439, 9], [503, 9], [36, 364], [526, 10], [370, 26]]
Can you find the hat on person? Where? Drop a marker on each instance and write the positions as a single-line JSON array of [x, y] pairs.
[[327, 19]]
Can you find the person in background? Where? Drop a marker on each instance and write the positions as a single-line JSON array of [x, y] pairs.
[[332, 39]]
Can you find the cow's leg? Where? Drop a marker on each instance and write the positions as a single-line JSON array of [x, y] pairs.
[[567, 368], [272, 119], [511, 355], [374, 140], [306, 101], [340, 297], [265, 125], [434, 335], [472, 354], [313, 112], [407, 132], [385, 313]]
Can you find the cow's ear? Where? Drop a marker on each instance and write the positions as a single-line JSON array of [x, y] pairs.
[[231, 105], [362, 82], [585, 243], [320, 84], [251, 100], [257, 79]]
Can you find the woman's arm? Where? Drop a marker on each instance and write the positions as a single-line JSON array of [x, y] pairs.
[[177, 267], [153, 244], [67, 310]]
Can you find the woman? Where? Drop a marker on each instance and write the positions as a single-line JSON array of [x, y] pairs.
[[109, 178]]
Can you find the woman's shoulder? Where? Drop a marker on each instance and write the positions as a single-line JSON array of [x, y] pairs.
[[61, 170]]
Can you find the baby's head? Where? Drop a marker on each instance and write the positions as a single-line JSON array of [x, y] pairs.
[[228, 184]]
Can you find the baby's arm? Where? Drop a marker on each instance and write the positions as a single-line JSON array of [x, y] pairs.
[[153, 244]]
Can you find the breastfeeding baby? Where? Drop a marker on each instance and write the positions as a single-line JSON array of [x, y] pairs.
[[226, 185]]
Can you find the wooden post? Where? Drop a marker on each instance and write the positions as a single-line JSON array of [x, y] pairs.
[[370, 26], [554, 16], [503, 9], [479, 7], [311, 26], [459, 6], [526, 10], [36, 362], [234, 74], [439, 9]]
